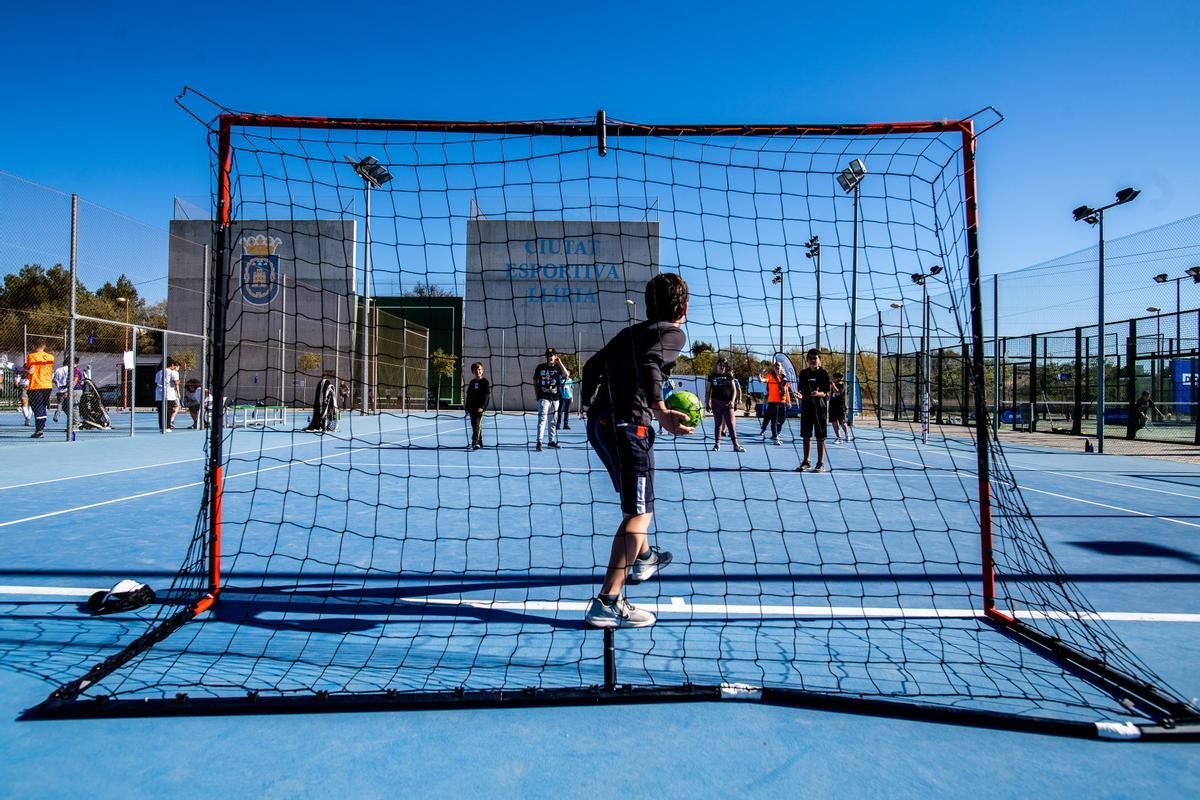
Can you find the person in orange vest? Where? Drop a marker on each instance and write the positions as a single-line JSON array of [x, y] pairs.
[[40, 367], [778, 399]]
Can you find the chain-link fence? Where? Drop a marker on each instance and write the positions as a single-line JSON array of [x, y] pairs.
[[85, 289]]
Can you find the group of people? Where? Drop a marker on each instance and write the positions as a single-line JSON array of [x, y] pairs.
[[622, 395], [39, 384]]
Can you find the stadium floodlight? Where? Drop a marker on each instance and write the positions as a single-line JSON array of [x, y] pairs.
[[813, 251], [371, 171], [1095, 216], [852, 175], [374, 175], [1125, 195], [1160, 277], [850, 179], [1193, 273]]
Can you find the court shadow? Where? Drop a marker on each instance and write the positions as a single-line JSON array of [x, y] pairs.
[[1134, 549]]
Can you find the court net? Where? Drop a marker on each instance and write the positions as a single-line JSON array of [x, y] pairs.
[[385, 565]]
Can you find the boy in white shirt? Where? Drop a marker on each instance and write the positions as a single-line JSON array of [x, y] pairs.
[[170, 384]]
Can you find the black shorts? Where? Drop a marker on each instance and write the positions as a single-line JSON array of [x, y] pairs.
[[627, 451], [814, 419], [837, 411]]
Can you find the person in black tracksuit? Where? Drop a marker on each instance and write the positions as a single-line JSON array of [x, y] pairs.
[[479, 392], [622, 393]]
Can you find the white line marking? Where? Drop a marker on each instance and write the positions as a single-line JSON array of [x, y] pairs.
[[140, 495], [679, 606], [1026, 488], [292, 445], [53, 591]]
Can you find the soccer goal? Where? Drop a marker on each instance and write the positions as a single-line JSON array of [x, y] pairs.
[[388, 565]]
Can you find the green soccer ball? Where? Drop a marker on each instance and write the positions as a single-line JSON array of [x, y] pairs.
[[689, 404]]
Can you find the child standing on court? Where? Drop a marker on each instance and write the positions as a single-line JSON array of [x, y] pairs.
[[548, 378], [622, 392], [837, 409], [720, 399], [814, 393], [479, 392]]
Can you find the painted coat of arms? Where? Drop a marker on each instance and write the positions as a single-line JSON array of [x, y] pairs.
[[260, 269]]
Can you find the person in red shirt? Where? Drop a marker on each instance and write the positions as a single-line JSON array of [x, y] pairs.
[[40, 367]]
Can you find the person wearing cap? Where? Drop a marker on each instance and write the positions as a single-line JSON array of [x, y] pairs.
[[548, 380]]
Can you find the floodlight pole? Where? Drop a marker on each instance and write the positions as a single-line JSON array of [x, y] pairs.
[[778, 273], [366, 319], [1095, 216], [996, 366], [925, 344], [853, 349], [814, 252]]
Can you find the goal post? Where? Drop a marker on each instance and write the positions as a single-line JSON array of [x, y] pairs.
[[379, 566]]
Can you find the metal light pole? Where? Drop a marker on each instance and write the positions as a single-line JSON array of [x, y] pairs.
[[996, 363], [777, 274], [374, 175], [1192, 273], [1157, 312], [124, 371], [850, 180], [814, 252], [1095, 216], [898, 400], [922, 280]]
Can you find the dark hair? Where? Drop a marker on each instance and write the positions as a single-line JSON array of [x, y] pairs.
[[39, 343], [721, 362], [837, 375], [477, 364], [812, 353], [666, 297]]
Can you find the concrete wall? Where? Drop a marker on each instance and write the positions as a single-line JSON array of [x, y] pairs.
[[313, 269], [533, 284]]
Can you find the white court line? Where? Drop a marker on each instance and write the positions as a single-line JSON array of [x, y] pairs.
[[172, 463], [140, 495], [1026, 488], [679, 606], [1035, 470]]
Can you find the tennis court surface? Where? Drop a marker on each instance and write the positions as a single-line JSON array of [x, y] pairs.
[[778, 594]]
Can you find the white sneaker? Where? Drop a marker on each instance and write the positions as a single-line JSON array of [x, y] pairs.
[[645, 569], [777, 441], [619, 615], [717, 446], [737, 448]]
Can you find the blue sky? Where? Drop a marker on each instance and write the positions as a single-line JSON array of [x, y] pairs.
[[1096, 96]]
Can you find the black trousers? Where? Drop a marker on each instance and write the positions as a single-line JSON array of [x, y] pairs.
[[39, 399], [476, 427], [564, 413]]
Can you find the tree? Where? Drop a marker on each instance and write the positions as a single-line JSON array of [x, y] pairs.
[[122, 288], [428, 290], [444, 365], [308, 363], [701, 347]]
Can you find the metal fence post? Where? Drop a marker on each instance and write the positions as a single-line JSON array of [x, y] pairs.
[[70, 388]]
